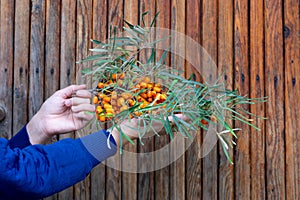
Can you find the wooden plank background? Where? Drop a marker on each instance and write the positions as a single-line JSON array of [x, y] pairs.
[[255, 44]]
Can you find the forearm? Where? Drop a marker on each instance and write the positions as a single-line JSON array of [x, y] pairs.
[[38, 171]]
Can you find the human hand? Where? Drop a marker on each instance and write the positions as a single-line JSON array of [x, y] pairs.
[[62, 112], [130, 128]]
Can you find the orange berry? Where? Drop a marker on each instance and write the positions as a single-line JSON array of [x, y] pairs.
[[143, 84], [149, 94], [99, 109], [153, 93], [163, 97], [150, 86], [114, 76], [203, 121], [144, 95], [122, 75], [150, 100], [156, 89], [106, 99], [101, 95], [131, 102], [100, 85], [95, 100], [107, 105], [102, 118], [109, 111]]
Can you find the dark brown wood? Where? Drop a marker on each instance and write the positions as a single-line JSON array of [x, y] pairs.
[[291, 30], [161, 186], [113, 176], [52, 49], [6, 65], [225, 72], [67, 62], [241, 83], [177, 168], [40, 41], [145, 181], [274, 78], [257, 142], [2, 113], [193, 171], [84, 13], [130, 180], [21, 64], [37, 56], [209, 35], [98, 179]]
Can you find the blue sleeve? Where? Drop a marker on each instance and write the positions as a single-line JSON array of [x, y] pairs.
[[20, 140], [39, 171]]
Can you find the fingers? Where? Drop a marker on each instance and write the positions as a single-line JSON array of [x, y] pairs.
[[83, 107], [83, 94], [77, 101], [83, 116], [70, 90]]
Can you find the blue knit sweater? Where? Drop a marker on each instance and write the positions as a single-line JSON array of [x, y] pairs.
[[36, 171]]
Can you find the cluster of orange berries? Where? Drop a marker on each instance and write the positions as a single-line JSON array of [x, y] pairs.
[[110, 103]]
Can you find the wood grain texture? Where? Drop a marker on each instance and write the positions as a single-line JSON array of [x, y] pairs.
[[274, 79], [6, 65], [40, 41], [113, 176], [177, 168], [162, 178], [258, 138], [129, 180], [37, 56], [67, 62], [291, 33], [84, 13], [225, 72], [145, 181], [193, 171], [209, 42], [99, 33], [52, 48], [21, 64], [241, 80]]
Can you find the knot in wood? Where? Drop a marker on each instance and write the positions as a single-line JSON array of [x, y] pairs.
[[2, 113]]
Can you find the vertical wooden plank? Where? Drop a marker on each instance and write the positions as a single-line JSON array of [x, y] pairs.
[[177, 175], [83, 31], [52, 49], [129, 180], [209, 34], [145, 181], [99, 33], [275, 108], [37, 56], [257, 90], [241, 80], [292, 96], [52, 52], [225, 71], [162, 178], [113, 176], [21, 64], [67, 62], [193, 158], [6, 65]]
